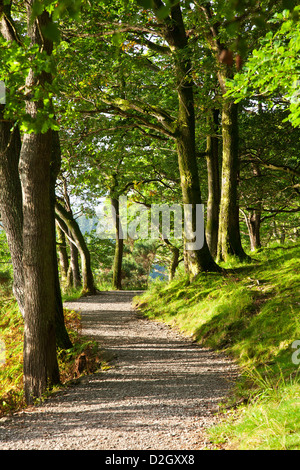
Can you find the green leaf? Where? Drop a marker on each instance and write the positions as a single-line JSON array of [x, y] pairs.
[[163, 12], [146, 3], [37, 8], [51, 32], [117, 39]]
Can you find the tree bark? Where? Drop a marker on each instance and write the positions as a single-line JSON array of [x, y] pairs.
[[74, 277], [40, 361], [229, 240], [11, 210], [175, 34], [67, 222], [255, 218], [62, 338], [253, 222], [118, 258], [174, 260], [213, 202], [63, 256], [11, 206], [40, 365], [10, 186]]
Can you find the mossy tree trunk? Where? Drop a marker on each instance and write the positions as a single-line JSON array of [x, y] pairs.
[[174, 32], [229, 240]]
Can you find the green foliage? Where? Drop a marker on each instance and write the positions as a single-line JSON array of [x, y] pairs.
[[11, 372], [273, 68], [5, 261], [58, 9], [137, 262], [15, 63]]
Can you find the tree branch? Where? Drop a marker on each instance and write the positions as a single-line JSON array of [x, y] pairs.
[[123, 107], [271, 166]]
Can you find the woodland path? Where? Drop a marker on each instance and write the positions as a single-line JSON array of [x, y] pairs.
[[161, 392]]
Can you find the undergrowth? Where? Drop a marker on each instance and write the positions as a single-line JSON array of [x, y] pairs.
[[252, 314], [11, 345]]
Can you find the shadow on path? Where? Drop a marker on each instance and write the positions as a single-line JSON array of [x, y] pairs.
[[160, 392]]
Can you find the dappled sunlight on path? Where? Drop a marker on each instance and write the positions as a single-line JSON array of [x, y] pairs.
[[160, 392]]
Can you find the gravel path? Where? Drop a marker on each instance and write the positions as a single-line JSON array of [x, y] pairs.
[[161, 393]]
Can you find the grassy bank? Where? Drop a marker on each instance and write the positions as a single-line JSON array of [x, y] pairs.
[[251, 313]]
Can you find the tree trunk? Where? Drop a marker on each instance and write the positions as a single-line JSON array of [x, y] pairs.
[[229, 240], [174, 262], [10, 186], [198, 259], [62, 338], [63, 256], [118, 258], [40, 362], [11, 196], [255, 218], [254, 229], [74, 277], [11, 201], [40, 365], [67, 222], [213, 202]]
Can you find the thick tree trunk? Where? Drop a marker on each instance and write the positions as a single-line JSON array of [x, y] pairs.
[[67, 222], [229, 241], [118, 258], [213, 202], [11, 195], [198, 260], [40, 362]]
